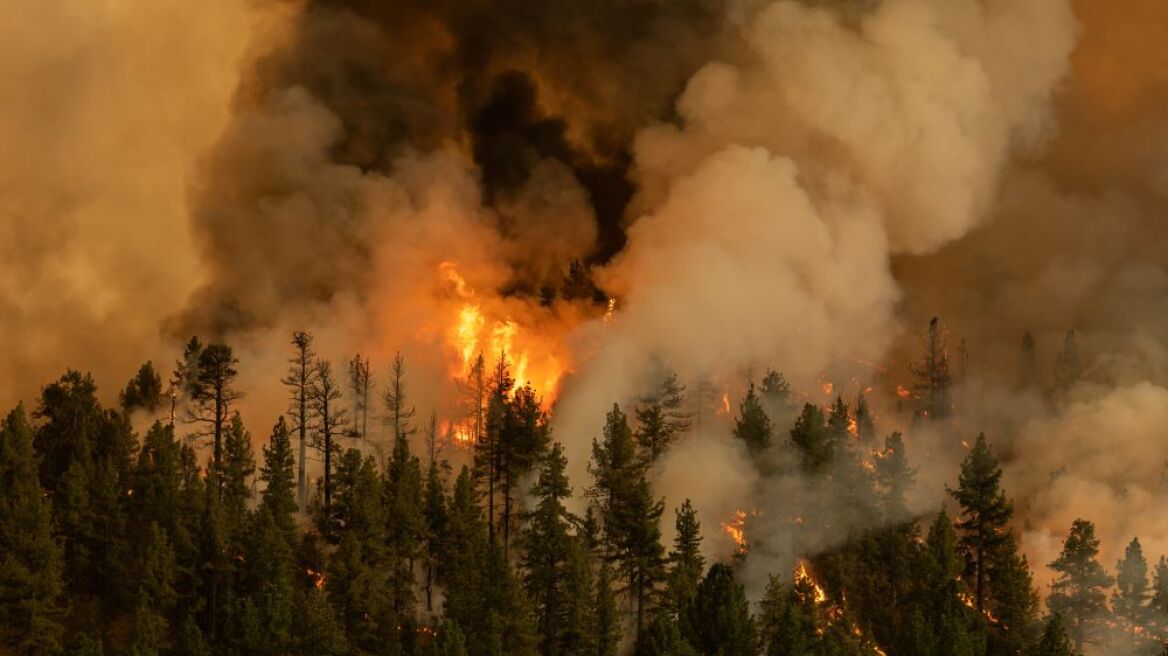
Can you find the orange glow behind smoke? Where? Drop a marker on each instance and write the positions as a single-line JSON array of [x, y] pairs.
[[902, 391]]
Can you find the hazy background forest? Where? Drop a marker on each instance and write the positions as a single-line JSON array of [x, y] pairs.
[[738, 212]]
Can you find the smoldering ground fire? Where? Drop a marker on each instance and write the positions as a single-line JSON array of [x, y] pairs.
[[603, 192]]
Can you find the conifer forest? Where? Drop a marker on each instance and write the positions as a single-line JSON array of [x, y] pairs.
[[610, 328]]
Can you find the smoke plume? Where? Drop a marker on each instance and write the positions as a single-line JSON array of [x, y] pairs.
[[795, 184]]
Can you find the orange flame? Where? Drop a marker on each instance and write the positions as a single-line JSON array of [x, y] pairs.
[[317, 577], [483, 327], [608, 310], [828, 388], [803, 576], [902, 391], [736, 529], [458, 434], [724, 408]]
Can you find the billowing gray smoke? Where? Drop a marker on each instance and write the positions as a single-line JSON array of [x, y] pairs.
[[790, 184]]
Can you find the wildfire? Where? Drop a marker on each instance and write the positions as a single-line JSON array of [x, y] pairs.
[[803, 577], [902, 391], [608, 310], [489, 327], [724, 409], [466, 334], [736, 529], [970, 602], [853, 427], [828, 388], [458, 434], [317, 577]]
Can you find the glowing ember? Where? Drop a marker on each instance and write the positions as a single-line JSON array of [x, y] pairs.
[[724, 409], [736, 529], [609, 310], [853, 427], [317, 577], [828, 388], [902, 391]]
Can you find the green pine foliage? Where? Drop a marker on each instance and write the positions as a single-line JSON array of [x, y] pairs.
[[122, 538]]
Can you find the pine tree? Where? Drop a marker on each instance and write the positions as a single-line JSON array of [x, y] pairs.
[[865, 424], [1158, 605], [156, 573], [30, 558], [1014, 604], [299, 380], [894, 477], [238, 468], [330, 421], [434, 510], [985, 516], [182, 380], [686, 566], [663, 637], [214, 394], [489, 445], [449, 640], [1078, 592], [933, 374], [278, 497], [271, 594], [776, 397], [607, 630], [1130, 600], [1054, 641], [720, 617], [812, 440], [524, 441], [319, 632], [144, 390], [86, 463], [546, 554], [946, 625], [359, 573], [361, 385], [752, 425], [661, 417], [397, 414], [406, 523], [631, 516]]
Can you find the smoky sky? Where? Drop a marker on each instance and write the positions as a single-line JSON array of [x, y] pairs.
[[513, 84]]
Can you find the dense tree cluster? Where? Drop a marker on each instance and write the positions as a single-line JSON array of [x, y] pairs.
[[177, 541]]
